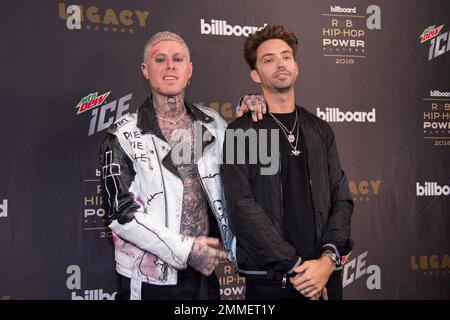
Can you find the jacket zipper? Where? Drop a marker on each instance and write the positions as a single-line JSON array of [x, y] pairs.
[[165, 266], [212, 208], [316, 217], [283, 281], [164, 184], [207, 198], [284, 278], [283, 231]]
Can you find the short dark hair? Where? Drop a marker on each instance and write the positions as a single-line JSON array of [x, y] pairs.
[[269, 32]]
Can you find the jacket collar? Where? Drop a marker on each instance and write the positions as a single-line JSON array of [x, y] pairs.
[[301, 115], [147, 122]]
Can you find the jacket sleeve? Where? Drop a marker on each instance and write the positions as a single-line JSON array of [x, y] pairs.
[[254, 231], [126, 217], [337, 233]]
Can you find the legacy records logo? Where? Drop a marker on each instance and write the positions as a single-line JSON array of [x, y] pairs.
[[364, 190], [439, 43], [336, 115], [222, 28], [431, 264], [94, 18]]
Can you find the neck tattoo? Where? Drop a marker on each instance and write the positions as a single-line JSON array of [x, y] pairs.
[[170, 109]]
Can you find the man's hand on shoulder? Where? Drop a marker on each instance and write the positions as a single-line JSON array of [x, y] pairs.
[[252, 103]]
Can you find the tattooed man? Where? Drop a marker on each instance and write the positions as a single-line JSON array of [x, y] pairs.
[[161, 177]]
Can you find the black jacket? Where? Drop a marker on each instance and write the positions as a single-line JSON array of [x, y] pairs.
[[256, 207]]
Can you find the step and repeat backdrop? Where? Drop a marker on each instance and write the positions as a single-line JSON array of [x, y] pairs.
[[377, 71]]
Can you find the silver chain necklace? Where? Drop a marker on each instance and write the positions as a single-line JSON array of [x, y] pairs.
[[171, 120], [290, 137]]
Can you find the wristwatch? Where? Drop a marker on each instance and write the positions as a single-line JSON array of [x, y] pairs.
[[333, 256]]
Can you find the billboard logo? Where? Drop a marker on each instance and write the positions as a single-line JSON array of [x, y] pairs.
[[222, 28], [336, 115], [4, 208], [439, 94], [73, 282], [432, 189], [339, 9]]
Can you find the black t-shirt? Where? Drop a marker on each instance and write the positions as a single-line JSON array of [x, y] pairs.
[[299, 222]]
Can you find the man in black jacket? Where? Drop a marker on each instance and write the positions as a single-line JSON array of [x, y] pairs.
[[292, 227]]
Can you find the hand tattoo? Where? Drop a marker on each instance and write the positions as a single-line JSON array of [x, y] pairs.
[[205, 255]]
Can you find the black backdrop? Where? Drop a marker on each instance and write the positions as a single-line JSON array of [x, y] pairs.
[[364, 62]]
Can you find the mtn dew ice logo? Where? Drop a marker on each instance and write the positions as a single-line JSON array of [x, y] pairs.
[[103, 113], [430, 33], [91, 101], [439, 42]]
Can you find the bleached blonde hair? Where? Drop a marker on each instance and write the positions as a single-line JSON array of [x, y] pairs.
[[161, 36]]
